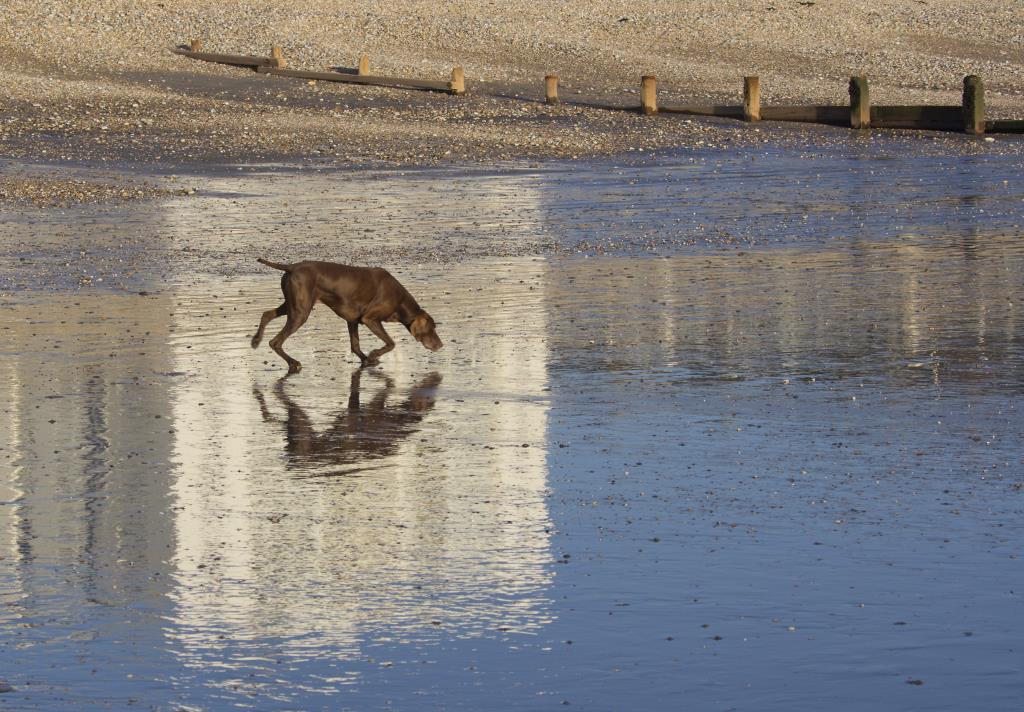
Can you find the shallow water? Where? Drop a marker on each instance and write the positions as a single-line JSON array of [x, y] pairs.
[[768, 478], [862, 190]]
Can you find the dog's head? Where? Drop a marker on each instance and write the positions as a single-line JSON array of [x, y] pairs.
[[423, 329]]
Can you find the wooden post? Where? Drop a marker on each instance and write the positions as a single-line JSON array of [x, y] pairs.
[[974, 105], [860, 103], [196, 45], [458, 83], [364, 66], [649, 94], [277, 58], [551, 88], [751, 99]]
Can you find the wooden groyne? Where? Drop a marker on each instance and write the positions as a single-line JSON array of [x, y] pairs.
[[968, 117], [276, 64], [860, 113]]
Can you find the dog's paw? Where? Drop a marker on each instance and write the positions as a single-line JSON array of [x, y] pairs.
[[254, 341]]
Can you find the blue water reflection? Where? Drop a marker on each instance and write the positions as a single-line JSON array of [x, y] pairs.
[[773, 475]]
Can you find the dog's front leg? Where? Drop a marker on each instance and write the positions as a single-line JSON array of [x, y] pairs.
[[353, 337], [378, 329]]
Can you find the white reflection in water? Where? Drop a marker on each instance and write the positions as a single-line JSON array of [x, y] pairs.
[[898, 310], [339, 507], [85, 430], [358, 218], [10, 442]]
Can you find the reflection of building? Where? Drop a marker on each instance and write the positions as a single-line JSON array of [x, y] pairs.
[[85, 534], [170, 517], [161, 501], [10, 449], [88, 432], [793, 311], [363, 217], [444, 524]]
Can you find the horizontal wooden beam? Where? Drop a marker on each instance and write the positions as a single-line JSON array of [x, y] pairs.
[[839, 115], [949, 118], [1005, 126], [810, 114], [357, 79], [272, 65], [729, 112], [235, 60]]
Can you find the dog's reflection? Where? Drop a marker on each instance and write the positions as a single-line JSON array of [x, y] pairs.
[[360, 432]]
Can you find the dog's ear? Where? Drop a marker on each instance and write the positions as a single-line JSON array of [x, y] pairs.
[[421, 325], [423, 329]]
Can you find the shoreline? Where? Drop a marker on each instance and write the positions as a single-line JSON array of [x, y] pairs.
[[98, 83], [42, 184], [685, 202]]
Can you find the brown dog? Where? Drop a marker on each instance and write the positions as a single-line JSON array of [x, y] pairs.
[[359, 295]]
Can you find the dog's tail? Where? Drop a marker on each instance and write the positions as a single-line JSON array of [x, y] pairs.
[[275, 265]]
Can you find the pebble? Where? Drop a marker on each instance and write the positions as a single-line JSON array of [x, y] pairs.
[[56, 191]]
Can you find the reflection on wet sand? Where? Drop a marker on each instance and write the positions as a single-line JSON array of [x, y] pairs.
[[364, 431], [165, 493], [909, 310], [155, 484], [85, 526], [341, 507], [83, 430]]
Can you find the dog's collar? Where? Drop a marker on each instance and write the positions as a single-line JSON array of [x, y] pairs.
[[408, 324]]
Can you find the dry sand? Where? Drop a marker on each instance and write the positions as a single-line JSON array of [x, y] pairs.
[[93, 80]]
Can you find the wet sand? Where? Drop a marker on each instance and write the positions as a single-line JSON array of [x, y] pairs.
[[772, 467], [861, 187]]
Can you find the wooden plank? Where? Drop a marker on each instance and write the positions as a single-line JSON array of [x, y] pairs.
[[356, 79], [727, 112], [236, 60], [837, 115], [947, 118], [860, 103], [551, 89], [974, 105], [649, 94], [1005, 126], [277, 59], [457, 85], [630, 108], [751, 99]]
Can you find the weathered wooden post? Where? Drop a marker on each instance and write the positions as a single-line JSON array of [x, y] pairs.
[[974, 105], [196, 45], [860, 103], [364, 66], [649, 94], [551, 88], [751, 99], [277, 58], [458, 83]]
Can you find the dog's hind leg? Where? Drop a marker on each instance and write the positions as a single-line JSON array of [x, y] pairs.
[[268, 316], [276, 343], [299, 300]]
